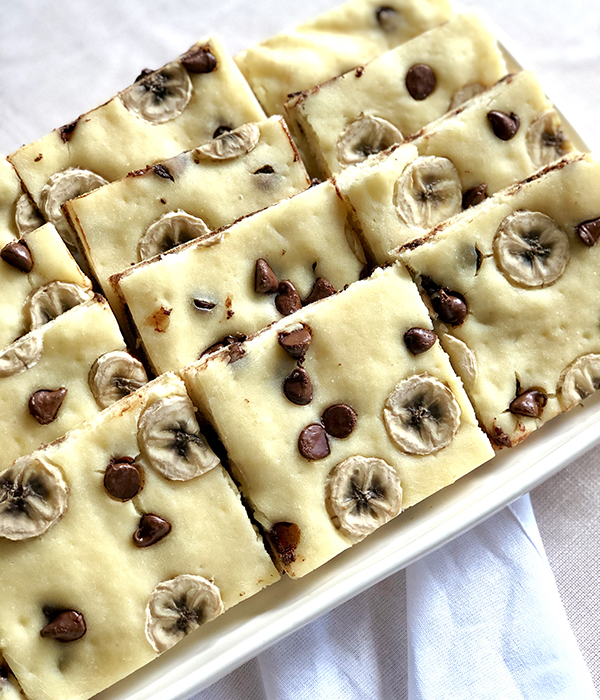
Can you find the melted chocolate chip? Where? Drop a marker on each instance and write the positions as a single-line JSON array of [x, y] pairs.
[[451, 307], [504, 126], [420, 81], [296, 342], [297, 387], [265, 280], [17, 254], [265, 170], [589, 231], [339, 420], [313, 443], [474, 196], [123, 478], [530, 403], [200, 61], [285, 538], [163, 171], [151, 529], [220, 130], [236, 352], [144, 73], [287, 300], [67, 626], [45, 404], [321, 290], [226, 342], [419, 340], [204, 305], [66, 131], [387, 18]]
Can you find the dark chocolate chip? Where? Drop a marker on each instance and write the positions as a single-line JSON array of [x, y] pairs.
[[321, 290], [315, 181], [226, 342], [151, 529], [287, 300], [285, 538], [504, 125], [474, 196], [144, 74], [17, 254], [387, 18], [204, 305], [530, 403], [67, 626], [478, 259], [500, 438], [589, 231], [200, 61], [265, 170], [297, 387], [66, 131], [236, 352], [451, 307], [265, 280], [339, 420], [163, 171], [313, 443], [123, 478], [419, 340], [45, 404], [220, 130], [420, 81], [296, 342]]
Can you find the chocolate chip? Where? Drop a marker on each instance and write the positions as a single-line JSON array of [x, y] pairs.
[[236, 352], [419, 340], [45, 404], [220, 130], [66, 131], [504, 126], [530, 403], [265, 170], [145, 72], [296, 342], [17, 254], [297, 387], [478, 259], [123, 478], [285, 538], [589, 231], [313, 443], [4, 671], [387, 18], [287, 300], [68, 626], [451, 307], [339, 420], [151, 529], [474, 196], [200, 61], [204, 305], [321, 290], [420, 81], [265, 280], [226, 342], [358, 71], [163, 171]]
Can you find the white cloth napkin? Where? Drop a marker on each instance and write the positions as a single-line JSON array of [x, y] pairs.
[[484, 622]]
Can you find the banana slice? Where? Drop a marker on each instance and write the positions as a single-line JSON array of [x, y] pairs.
[[47, 303], [530, 249], [546, 141], [428, 192], [33, 497], [170, 439], [462, 357], [169, 231], [61, 187], [179, 606], [230, 144], [465, 93], [115, 375], [364, 137], [578, 380], [27, 217], [362, 493], [159, 96], [21, 355], [421, 415]]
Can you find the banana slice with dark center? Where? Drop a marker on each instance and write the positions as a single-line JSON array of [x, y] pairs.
[[170, 439], [364, 137], [179, 606], [579, 380], [546, 141], [428, 192], [168, 232], [159, 96], [530, 249], [362, 493], [421, 415], [230, 144], [115, 375], [47, 303], [33, 497], [21, 355], [27, 217]]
